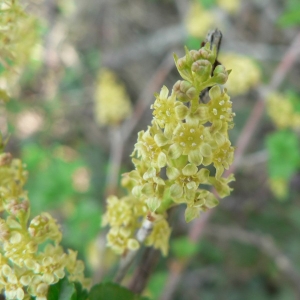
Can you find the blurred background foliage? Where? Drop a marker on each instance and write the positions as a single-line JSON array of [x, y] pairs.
[[53, 123]]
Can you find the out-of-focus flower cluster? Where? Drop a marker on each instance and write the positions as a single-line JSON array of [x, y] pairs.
[[283, 111], [31, 257], [18, 35], [200, 19], [184, 152], [112, 104], [245, 75]]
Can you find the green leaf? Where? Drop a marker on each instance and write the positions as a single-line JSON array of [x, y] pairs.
[[207, 3], [62, 290], [112, 291], [291, 15], [157, 283], [82, 226], [183, 248], [82, 294], [294, 99], [284, 154]]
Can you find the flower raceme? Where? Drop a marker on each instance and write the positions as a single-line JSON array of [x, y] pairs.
[[184, 152], [31, 258]]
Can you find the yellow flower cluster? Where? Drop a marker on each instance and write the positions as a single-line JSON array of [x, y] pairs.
[[245, 74], [184, 151], [282, 112], [18, 35], [112, 104], [31, 258]]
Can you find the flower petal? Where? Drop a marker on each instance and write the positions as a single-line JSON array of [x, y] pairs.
[[190, 170], [161, 160], [164, 93], [161, 139], [191, 213], [175, 151], [206, 150], [176, 191], [153, 203], [181, 111], [172, 173], [215, 92], [195, 157]]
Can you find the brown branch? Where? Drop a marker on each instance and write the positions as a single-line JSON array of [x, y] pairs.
[[128, 259], [115, 160], [144, 270]]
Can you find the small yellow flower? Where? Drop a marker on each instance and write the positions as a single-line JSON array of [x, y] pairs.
[[118, 212], [223, 158], [186, 182], [167, 111], [193, 141], [119, 238], [159, 237]]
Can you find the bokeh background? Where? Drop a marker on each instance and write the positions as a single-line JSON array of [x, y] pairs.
[[86, 91]]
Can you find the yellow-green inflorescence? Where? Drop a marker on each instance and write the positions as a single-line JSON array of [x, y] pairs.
[[18, 36], [179, 158], [31, 258]]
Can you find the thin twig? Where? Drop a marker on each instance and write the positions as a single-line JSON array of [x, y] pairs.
[[115, 159], [144, 270]]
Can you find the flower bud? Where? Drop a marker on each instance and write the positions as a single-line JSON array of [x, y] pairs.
[[202, 68], [220, 74], [207, 55], [184, 91], [182, 63], [195, 55]]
